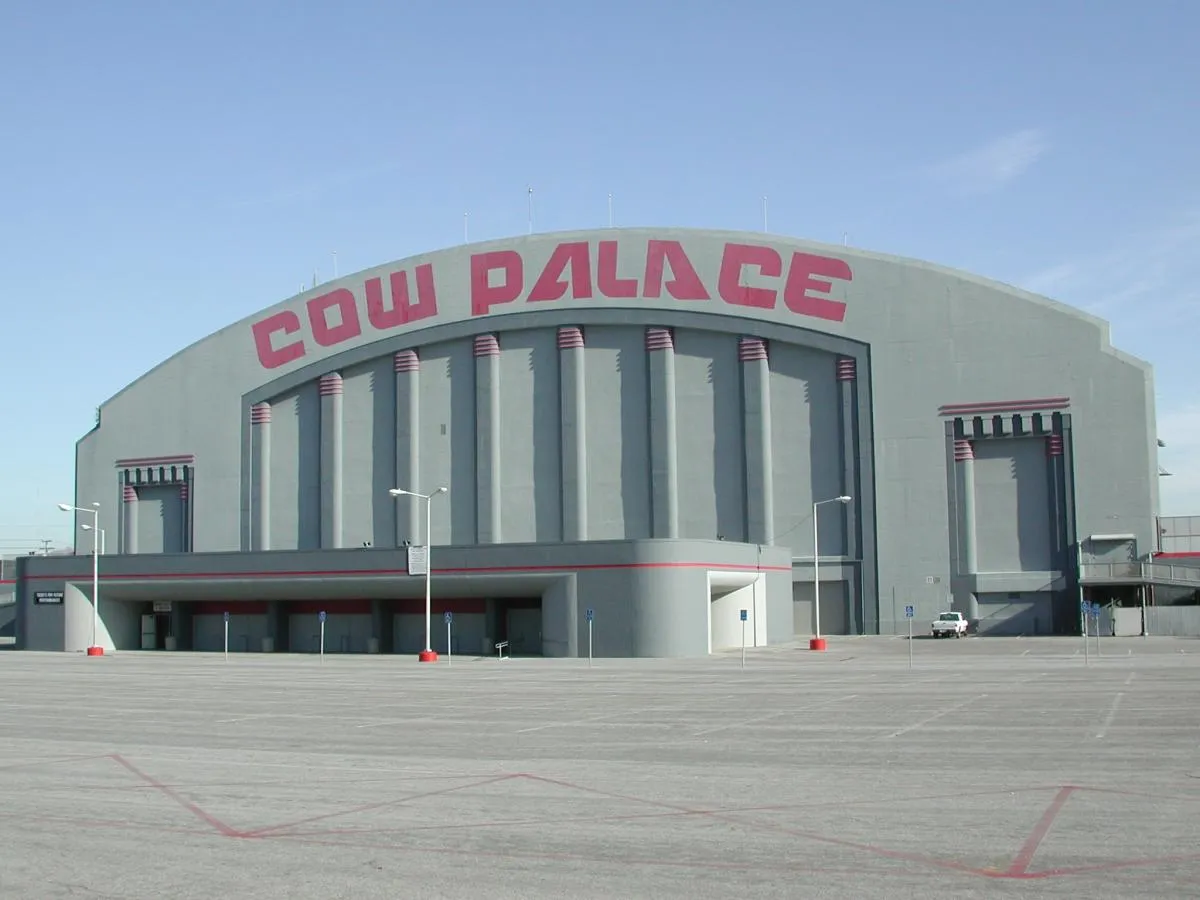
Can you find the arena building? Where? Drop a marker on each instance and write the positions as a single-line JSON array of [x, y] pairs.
[[639, 431]]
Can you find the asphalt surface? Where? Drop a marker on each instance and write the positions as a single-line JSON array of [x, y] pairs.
[[993, 768]]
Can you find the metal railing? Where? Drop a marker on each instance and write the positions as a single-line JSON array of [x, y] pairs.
[[1157, 573]]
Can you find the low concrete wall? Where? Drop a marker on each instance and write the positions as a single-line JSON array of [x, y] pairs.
[[1173, 621]]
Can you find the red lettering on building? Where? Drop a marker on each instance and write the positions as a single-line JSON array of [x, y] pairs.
[[736, 259], [809, 273], [606, 274], [403, 310], [805, 284], [270, 355], [685, 284], [551, 285], [483, 294], [347, 326]]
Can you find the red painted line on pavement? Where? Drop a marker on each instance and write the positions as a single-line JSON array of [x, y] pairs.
[[1023, 859], [270, 829], [191, 807]]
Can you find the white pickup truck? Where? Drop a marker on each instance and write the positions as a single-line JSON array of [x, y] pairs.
[[949, 623]]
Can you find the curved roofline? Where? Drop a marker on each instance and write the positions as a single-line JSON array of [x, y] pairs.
[[748, 236]]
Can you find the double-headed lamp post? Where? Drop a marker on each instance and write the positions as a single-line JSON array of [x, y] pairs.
[[818, 642], [428, 654], [95, 649]]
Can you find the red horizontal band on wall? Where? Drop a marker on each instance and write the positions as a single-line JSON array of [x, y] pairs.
[[260, 414], [1186, 554], [182, 459], [330, 385], [570, 338], [392, 573], [751, 349], [963, 451], [659, 339], [406, 361], [487, 345], [847, 368], [233, 607], [1004, 406], [438, 608], [313, 607]]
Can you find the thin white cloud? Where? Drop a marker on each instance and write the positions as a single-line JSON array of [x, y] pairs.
[[1158, 268], [994, 164]]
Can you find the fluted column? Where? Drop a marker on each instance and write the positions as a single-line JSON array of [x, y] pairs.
[[260, 476], [407, 366], [129, 521], [330, 389], [1058, 521], [964, 458], [573, 426], [664, 478], [487, 438], [756, 406]]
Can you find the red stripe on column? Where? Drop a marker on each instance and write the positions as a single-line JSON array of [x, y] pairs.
[[487, 345], [750, 349], [847, 368], [260, 414], [569, 338], [129, 493], [183, 492], [406, 361], [963, 451], [330, 384], [659, 339], [1054, 445]]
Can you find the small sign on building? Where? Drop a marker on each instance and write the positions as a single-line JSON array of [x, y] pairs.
[[418, 560], [48, 597]]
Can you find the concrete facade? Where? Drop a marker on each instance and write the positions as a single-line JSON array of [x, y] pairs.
[[608, 388]]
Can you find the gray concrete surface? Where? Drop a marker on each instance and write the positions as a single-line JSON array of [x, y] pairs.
[[995, 768]]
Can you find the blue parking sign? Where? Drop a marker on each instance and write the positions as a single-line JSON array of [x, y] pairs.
[[745, 615], [227, 616], [908, 612], [449, 617], [321, 616], [591, 614]]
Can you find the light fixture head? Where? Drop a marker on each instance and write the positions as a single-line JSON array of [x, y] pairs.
[[65, 507], [844, 498], [442, 490]]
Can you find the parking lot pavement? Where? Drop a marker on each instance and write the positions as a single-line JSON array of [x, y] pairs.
[[836, 774]]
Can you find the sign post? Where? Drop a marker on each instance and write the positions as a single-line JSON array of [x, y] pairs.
[[321, 618], [449, 654], [226, 636], [1096, 617], [744, 616], [1087, 640], [591, 614], [908, 614]]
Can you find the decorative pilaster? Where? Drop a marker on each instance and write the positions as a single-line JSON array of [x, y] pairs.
[[574, 434], [330, 389], [487, 438], [847, 378], [756, 404], [185, 514], [1058, 521], [664, 478], [129, 520], [260, 476], [407, 366]]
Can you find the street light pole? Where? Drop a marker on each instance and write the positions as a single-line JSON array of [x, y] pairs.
[[818, 642], [428, 654], [95, 649]]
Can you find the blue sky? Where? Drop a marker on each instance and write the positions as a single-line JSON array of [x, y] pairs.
[[169, 167]]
